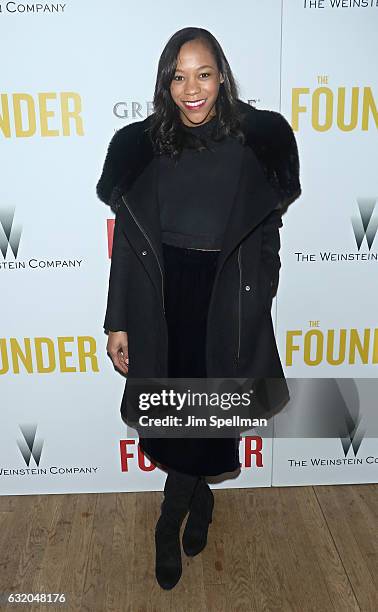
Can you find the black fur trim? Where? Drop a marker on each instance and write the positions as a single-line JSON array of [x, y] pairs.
[[267, 132]]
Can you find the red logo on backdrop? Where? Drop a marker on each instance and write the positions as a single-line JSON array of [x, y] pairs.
[[253, 454], [253, 451], [143, 463], [110, 231]]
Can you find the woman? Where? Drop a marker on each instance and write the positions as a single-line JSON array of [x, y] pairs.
[[198, 188]]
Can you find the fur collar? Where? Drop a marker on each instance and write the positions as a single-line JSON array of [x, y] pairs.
[[267, 132]]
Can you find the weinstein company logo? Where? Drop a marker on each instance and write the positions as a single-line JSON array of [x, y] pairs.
[[364, 225], [340, 410], [10, 239], [354, 437], [352, 441], [36, 8], [30, 447]]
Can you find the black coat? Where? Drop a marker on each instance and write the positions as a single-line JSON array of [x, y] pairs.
[[240, 340]]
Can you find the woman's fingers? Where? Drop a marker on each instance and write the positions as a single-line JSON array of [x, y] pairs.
[[120, 361], [117, 348]]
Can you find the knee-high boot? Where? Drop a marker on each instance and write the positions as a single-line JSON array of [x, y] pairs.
[[194, 538], [178, 491]]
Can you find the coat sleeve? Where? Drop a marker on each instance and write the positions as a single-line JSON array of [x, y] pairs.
[[284, 160], [113, 169], [271, 245], [284, 171], [116, 311], [121, 163]]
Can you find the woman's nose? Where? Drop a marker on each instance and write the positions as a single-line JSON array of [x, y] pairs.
[[191, 88]]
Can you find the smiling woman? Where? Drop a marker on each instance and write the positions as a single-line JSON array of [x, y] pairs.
[[198, 188], [195, 88]]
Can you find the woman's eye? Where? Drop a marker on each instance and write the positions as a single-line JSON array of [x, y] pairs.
[[179, 76]]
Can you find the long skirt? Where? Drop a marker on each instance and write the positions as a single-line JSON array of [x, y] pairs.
[[189, 276]]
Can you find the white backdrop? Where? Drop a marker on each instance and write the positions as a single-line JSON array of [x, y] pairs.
[[74, 73]]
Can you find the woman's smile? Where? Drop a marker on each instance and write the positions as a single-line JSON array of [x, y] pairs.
[[195, 105]]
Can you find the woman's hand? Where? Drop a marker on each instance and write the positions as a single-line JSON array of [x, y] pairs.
[[118, 349]]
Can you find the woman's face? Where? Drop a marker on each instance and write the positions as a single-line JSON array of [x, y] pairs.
[[196, 79]]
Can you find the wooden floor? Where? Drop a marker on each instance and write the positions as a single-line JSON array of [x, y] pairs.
[[289, 548]]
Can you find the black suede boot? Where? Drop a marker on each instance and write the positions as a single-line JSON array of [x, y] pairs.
[[194, 538], [178, 491]]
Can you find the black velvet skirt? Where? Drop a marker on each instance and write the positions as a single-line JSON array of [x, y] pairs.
[[189, 275]]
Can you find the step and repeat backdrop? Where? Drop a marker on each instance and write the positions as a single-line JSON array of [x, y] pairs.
[[72, 74]]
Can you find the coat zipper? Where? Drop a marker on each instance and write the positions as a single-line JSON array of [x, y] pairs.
[[152, 248], [239, 315]]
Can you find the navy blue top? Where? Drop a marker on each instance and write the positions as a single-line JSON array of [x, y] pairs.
[[196, 192]]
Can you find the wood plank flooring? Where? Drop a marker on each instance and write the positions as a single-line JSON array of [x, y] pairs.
[[300, 549]]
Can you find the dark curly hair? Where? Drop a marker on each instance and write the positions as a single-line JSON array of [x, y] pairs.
[[166, 133]]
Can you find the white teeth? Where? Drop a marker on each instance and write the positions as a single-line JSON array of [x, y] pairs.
[[194, 103]]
